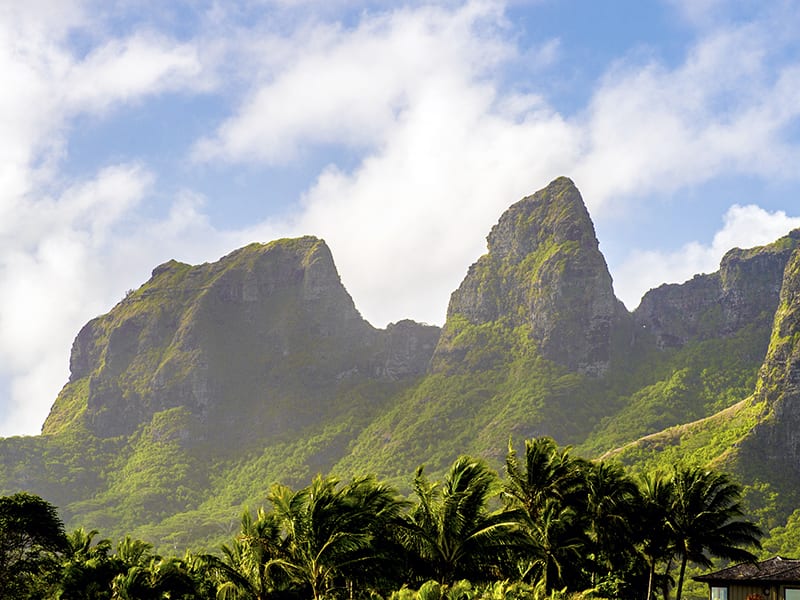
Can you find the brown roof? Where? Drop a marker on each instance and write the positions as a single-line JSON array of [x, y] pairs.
[[777, 570]]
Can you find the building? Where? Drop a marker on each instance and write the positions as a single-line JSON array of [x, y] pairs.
[[774, 579]]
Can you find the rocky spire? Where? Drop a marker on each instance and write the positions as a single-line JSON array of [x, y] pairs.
[[544, 271]]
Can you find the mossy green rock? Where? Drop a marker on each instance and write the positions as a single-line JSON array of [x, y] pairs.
[[544, 271], [773, 446], [744, 291], [259, 343]]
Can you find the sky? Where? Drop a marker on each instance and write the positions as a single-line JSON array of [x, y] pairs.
[[133, 132]]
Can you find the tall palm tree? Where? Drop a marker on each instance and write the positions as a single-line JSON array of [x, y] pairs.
[[549, 489], [706, 518], [554, 556], [87, 567], [332, 531], [159, 579], [657, 540], [611, 505], [245, 569], [548, 473], [451, 530]]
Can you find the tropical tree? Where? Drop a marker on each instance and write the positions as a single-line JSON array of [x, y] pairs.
[[657, 543], [31, 536], [451, 531], [554, 555], [246, 569], [612, 501], [707, 520], [548, 473], [332, 531], [159, 579], [87, 568], [549, 489]]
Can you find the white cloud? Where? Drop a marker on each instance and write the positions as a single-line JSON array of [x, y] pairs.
[[446, 153], [130, 68], [654, 130], [59, 237], [743, 227], [348, 87], [52, 275], [446, 149]]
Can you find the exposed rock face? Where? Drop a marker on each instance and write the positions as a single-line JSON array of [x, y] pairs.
[[776, 439], [264, 336], [543, 271], [745, 290]]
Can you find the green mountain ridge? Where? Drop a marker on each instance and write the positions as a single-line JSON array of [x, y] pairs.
[[210, 382]]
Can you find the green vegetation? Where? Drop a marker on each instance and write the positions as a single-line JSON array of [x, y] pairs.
[[555, 527]]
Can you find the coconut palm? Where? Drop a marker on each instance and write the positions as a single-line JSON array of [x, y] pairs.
[[451, 531], [87, 568], [612, 500], [706, 519], [159, 579], [549, 489], [557, 543], [548, 473], [657, 539], [245, 569], [333, 531]]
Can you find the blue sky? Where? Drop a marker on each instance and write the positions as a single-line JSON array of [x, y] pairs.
[[136, 131]]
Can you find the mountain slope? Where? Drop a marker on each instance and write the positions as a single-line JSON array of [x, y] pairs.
[[208, 367], [210, 382]]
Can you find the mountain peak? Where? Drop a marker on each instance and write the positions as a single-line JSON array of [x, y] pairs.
[[544, 272], [555, 213], [266, 328]]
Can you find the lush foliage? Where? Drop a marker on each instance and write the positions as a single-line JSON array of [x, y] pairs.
[[556, 526]]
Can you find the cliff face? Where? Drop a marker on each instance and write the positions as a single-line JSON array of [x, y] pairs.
[[263, 337], [744, 291], [543, 272], [775, 440], [218, 379]]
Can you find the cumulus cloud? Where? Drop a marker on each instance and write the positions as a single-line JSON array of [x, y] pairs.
[[61, 236], [652, 129], [445, 156], [349, 87], [743, 227]]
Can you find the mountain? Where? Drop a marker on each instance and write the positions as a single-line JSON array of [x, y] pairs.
[[210, 382], [204, 368], [260, 342]]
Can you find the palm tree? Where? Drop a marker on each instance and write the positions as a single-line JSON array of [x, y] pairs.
[[159, 579], [550, 491], [87, 568], [450, 529], [548, 473], [705, 517], [557, 544], [332, 531], [657, 540], [246, 570], [611, 502]]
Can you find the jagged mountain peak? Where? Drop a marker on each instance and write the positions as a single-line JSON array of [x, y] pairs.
[[556, 212], [774, 443], [543, 272]]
